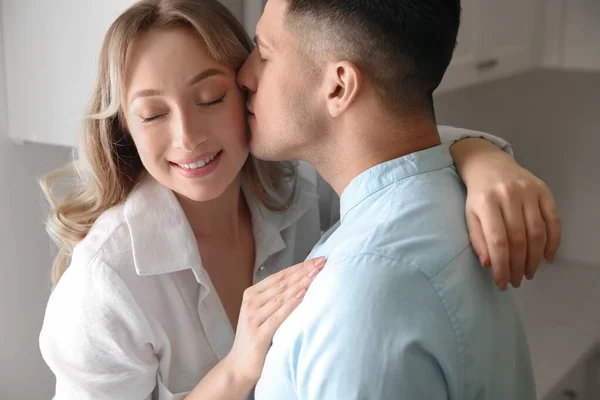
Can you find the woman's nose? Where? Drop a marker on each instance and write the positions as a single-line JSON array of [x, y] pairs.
[[188, 136]]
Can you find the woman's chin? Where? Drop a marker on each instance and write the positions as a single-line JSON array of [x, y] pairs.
[[199, 193]]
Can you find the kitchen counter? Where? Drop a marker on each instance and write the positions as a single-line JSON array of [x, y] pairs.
[[561, 313]]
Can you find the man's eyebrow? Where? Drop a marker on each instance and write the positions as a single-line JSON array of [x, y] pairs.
[[259, 42]]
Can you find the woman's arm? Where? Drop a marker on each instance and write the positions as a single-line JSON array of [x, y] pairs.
[[221, 383], [98, 342], [511, 215], [510, 242]]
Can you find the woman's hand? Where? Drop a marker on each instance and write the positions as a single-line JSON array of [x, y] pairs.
[[512, 218], [264, 308]]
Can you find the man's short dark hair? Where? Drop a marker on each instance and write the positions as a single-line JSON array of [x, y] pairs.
[[403, 46]]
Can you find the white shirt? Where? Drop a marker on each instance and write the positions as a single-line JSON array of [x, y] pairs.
[[136, 316]]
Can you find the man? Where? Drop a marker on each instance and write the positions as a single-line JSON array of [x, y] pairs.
[[397, 313]]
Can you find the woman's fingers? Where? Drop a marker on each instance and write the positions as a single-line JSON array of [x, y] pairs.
[[283, 296], [496, 237], [288, 279], [517, 239], [535, 237], [288, 300], [287, 276], [274, 321], [553, 224], [478, 239]]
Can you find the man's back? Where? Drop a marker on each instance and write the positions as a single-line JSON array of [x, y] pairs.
[[403, 310]]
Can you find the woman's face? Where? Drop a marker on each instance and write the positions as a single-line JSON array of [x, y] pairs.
[[185, 113]]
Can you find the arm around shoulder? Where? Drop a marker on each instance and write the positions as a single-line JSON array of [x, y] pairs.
[[450, 134]]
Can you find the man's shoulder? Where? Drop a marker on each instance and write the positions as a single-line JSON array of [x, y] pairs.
[[369, 284]]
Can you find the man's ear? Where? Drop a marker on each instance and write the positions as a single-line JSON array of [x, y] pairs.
[[343, 81]]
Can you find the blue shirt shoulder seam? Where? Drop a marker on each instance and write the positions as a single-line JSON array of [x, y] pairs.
[[459, 337], [460, 340]]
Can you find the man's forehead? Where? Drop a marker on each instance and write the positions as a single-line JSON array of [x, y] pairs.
[[267, 32], [273, 16]]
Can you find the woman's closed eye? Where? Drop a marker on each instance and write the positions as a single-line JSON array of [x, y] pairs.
[[146, 120], [151, 117], [212, 103]]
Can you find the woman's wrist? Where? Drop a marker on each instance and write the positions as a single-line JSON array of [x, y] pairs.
[[471, 154], [235, 378], [223, 382]]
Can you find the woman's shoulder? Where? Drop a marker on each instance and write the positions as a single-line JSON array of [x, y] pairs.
[[97, 285], [108, 240]]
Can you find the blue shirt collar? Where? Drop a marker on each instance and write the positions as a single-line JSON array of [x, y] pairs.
[[384, 174]]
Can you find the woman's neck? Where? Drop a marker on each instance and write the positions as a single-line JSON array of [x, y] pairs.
[[220, 218]]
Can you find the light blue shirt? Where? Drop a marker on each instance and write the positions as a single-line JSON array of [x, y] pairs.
[[403, 309]]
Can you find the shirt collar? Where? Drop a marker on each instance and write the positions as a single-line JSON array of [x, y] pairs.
[[267, 225], [379, 176], [163, 241], [161, 236]]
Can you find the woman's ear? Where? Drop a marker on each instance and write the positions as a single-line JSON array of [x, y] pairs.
[[343, 82]]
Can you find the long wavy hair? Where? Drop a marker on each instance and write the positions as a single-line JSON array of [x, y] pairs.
[[107, 166]]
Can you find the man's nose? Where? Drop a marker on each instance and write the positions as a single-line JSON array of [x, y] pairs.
[[246, 78], [242, 80]]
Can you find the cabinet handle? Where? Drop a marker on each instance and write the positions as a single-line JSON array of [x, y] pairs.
[[487, 64]]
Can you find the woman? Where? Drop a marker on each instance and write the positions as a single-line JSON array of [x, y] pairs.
[[172, 221]]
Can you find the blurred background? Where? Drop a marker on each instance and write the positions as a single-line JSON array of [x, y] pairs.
[[525, 70]]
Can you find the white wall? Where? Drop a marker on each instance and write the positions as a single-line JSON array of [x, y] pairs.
[[24, 263], [553, 120]]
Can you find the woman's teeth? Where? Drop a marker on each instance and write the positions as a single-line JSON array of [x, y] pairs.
[[198, 164]]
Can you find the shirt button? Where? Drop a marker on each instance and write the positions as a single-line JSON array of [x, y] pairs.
[[262, 268]]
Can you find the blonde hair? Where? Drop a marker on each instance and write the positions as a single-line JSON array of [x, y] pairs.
[[108, 166]]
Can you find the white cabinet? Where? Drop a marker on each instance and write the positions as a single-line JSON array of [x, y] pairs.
[[582, 35], [496, 39], [3, 123], [573, 32], [51, 50], [463, 69]]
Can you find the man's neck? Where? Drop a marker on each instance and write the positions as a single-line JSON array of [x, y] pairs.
[[359, 147]]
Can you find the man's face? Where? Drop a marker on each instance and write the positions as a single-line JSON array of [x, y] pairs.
[[282, 95]]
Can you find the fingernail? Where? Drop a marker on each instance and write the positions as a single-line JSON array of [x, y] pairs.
[[486, 262], [530, 276], [319, 263], [301, 294], [314, 273], [550, 257], [503, 285], [517, 285]]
